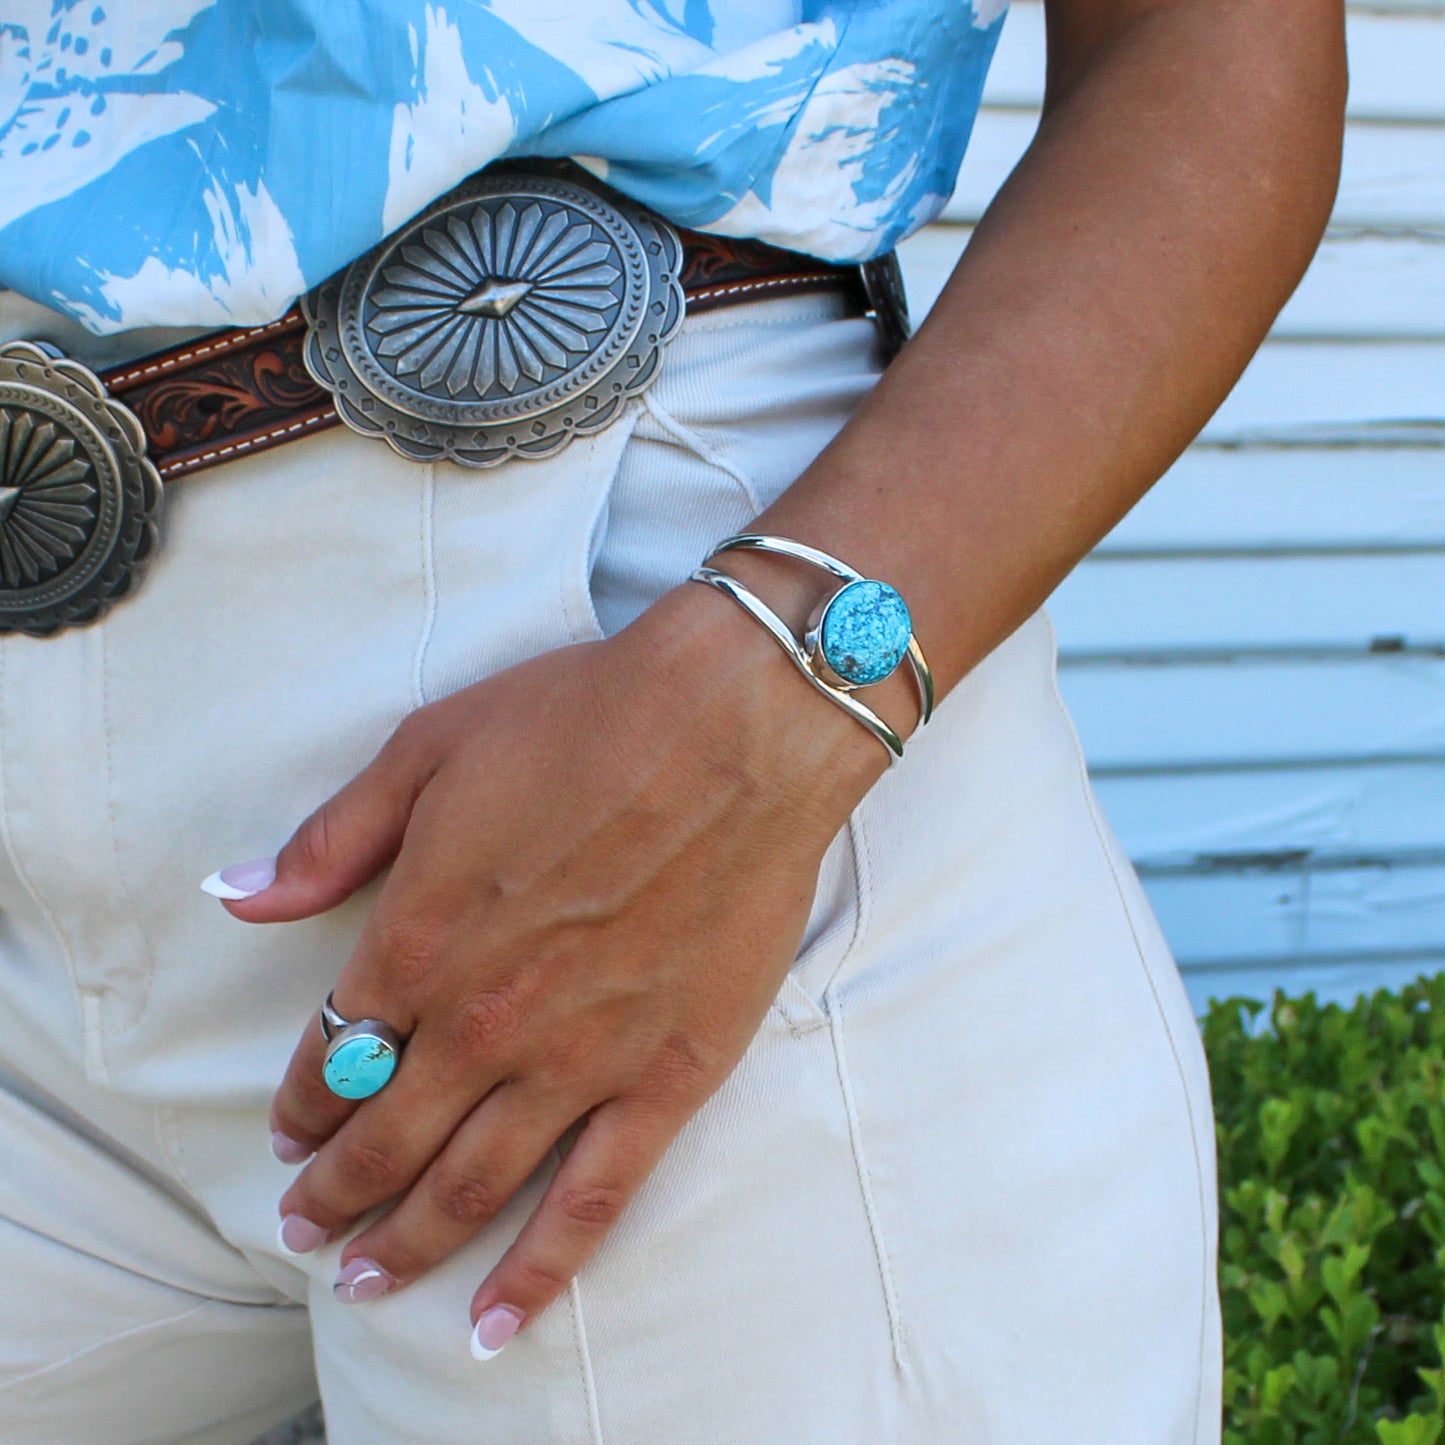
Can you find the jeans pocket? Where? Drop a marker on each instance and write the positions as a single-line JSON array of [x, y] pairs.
[[834, 924], [747, 399], [745, 402], [667, 505]]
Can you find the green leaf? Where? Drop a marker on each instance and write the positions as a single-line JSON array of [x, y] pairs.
[[1413, 1430], [1270, 1301], [1341, 1273], [1278, 1382]]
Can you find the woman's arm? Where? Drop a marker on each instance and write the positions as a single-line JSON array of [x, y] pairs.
[[1175, 192], [602, 860]]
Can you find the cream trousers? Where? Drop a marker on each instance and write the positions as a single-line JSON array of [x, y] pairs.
[[959, 1189]]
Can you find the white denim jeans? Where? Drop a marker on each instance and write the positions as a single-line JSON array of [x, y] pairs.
[[959, 1189]]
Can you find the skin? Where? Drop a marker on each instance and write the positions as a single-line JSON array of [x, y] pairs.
[[601, 861]]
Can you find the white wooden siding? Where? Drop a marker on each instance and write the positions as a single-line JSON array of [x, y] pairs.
[[1255, 657]]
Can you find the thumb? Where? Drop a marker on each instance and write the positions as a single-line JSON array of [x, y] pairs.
[[342, 846]]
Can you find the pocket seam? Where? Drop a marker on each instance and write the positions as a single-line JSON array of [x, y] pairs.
[[801, 1010], [583, 1346], [11, 852], [574, 578], [688, 438]]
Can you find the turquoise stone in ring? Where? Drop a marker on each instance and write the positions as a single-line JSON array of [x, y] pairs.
[[864, 632], [356, 1068]]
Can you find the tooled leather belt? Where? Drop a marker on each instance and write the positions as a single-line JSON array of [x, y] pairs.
[[523, 309]]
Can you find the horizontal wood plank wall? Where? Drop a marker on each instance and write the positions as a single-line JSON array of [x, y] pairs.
[[1256, 656]]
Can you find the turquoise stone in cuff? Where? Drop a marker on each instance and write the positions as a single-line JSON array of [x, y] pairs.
[[356, 1068], [864, 632]]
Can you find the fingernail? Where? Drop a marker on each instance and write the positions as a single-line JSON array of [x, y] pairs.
[[241, 880], [496, 1326], [289, 1150], [361, 1279], [298, 1235]]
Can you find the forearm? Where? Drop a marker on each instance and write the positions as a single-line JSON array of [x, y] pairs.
[[1116, 288]]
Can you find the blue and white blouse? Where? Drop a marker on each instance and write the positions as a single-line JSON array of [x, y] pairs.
[[202, 162]]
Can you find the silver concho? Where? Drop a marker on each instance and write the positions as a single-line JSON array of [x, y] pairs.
[[78, 498], [516, 313]]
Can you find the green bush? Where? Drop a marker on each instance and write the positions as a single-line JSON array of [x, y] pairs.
[[1332, 1228]]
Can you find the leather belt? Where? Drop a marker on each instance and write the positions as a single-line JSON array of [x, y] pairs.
[[523, 309], [242, 391]]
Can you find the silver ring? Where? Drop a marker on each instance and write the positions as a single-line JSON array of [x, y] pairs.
[[331, 1022], [361, 1054]]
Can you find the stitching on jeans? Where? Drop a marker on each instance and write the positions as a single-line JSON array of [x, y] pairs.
[[168, 1135], [584, 1359], [588, 626], [203, 1304], [127, 894], [62, 938], [1082, 777], [95, 1345], [429, 585], [819, 1007], [687, 438], [865, 1187], [862, 862], [579, 1334], [863, 874], [814, 1016]]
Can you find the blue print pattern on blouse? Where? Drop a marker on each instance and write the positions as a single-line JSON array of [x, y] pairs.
[[202, 162]]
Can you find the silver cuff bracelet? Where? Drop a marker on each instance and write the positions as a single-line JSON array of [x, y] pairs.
[[857, 638]]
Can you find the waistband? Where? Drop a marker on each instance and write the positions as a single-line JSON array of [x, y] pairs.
[[243, 390], [523, 309]]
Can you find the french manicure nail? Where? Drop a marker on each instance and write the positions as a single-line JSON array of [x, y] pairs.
[[496, 1326], [289, 1150], [361, 1279], [241, 880], [298, 1235]]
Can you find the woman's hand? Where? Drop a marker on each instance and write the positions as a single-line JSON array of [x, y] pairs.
[[602, 864]]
